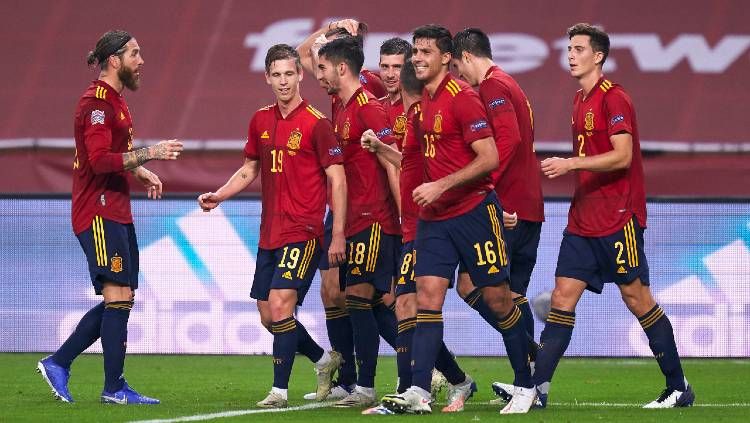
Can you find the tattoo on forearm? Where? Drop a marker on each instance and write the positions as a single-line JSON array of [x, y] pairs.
[[133, 159], [243, 175]]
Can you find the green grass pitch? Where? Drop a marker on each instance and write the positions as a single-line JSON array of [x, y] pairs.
[[583, 390]]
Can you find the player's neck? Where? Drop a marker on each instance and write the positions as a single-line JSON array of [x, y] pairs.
[[483, 66], [409, 100], [288, 107], [435, 82], [112, 80], [348, 89], [588, 81], [395, 97]]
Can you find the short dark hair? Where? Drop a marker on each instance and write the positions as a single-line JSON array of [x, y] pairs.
[[342, 32], [396, 45], [409, 81], [440, 34], [282, 52], [599, 39], [110, 43], [345, 50], [472, 40]]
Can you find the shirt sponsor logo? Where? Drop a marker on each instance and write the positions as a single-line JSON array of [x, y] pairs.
[[97, 117], [616, 119], [384, 132], [478, 125], [493, 104], [335, 151]]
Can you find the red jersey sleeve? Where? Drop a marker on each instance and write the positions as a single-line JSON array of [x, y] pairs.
[[496, 98], [374, 117], [326, 146], [619, 112], [251, 146], [471, 116], [97, 135]]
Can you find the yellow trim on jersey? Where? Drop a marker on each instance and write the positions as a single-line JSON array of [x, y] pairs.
[[101, 93], [362, 99], [374, 248], [453, 87], [315, 112], [605, 85], [497, 230], [100, 242]]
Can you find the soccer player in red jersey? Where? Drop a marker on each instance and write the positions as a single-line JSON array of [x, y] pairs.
[[459, 219], [101, 214], [292, 146], [393, 53], [332, 287], [372, 227], [461, 386], [603, 241], [517, 179]]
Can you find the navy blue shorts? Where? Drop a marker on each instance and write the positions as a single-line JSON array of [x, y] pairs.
[[111, 250], [288, 267], [522, 242], [405, 283], [618, 258], [474, 239], [327, 236], [371, 256]]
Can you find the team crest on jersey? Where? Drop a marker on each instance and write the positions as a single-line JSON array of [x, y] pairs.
[[437, 125], [399, 126], [294, 141], [589, 121], [345, 130], [97, 117], [116, 264]]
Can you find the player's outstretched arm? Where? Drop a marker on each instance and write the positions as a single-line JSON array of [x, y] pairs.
[[616, 159], [164, 150], [337, 181], [239, 181]]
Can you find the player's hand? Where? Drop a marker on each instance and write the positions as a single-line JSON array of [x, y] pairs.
[[317, 44], [510, 220], [427, 193], [165, 150], [556, 166], [370, 141], [350, 25], [208, 201], [337, 250], [150, 181]]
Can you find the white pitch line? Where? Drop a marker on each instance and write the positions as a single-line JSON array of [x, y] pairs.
[[212, 416], [202, 417]]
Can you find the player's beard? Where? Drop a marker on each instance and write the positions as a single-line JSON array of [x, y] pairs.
[[128, 78]]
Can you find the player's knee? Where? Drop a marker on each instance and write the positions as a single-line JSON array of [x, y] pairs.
[[406, 306], [464, 286], [563, 299], [498, 299]]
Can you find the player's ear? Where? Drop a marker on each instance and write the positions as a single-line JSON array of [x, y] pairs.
[[598, 57], [268, 78], [445, 58]]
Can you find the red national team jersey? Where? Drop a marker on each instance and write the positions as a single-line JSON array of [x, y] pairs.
[[293, 153], [452, 120], [396, 118], [412, 172], [371, 82], [369, 195], [604, 201], [103, 132], [518, 180]]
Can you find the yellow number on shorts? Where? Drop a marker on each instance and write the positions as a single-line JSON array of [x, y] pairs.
[[357, 252], [293, 258], [619, 247], [406, 264], [489, 253]]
